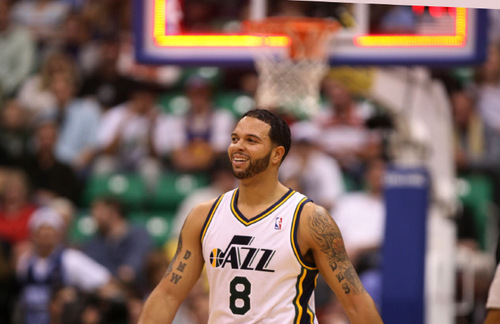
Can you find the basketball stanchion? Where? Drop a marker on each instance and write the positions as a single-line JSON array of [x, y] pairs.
[[291, 80]]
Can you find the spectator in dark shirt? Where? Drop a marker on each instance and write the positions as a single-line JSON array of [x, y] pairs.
[[121, 247], [105, 84], [9, 288], [49, 177], [14, 133]]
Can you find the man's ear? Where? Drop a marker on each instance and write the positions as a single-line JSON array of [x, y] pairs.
[[278, 153]]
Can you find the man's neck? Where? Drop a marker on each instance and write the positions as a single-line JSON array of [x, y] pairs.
[[118, 230], [263, 189], [43, 252]]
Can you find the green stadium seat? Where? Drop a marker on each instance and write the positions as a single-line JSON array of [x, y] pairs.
[[211, 74], [172, 188], [349, 183], [82, 228], [130, 188], [174, 102], [236, 102], [158, 224], [476, 191]]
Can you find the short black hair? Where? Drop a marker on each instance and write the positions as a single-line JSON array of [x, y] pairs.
[[113, 202], [279, 131]]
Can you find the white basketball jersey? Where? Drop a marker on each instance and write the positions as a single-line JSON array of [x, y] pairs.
[[254, 267]]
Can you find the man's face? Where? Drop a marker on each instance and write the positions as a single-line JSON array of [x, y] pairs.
[[337, 93], [101, 213], [46, 136], [45, 239], [143, 102], [375, 176], [62, 87], [250, 149]]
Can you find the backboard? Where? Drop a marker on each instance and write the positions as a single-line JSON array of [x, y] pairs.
[[195, 32]]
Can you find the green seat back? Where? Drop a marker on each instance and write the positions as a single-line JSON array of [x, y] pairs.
[[82, 228], [477, 193], [172, 188], [158, 225], [236, 102], [175, 103], [130, 188]]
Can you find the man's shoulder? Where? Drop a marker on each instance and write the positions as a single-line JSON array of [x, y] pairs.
[[20, 34], [116, 112], [139, 235], [313, 210], [205, 206], [310, 206], [93, 244], [71, 256], [203, 209], [83, 108]]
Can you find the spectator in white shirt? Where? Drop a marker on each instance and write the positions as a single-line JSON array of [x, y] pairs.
[[49, 265], [203, 133], [129, 138], [361, 215], [309, 170], [17, 52]]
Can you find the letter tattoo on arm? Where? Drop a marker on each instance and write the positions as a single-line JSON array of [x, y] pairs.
[[327, 235], [175, 277]]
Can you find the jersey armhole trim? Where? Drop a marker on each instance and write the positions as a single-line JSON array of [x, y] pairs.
[[306, 283], [210, 216], [294, 233]]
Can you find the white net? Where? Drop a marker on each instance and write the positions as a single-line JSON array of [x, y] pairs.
[[292, 80], [294, 86]]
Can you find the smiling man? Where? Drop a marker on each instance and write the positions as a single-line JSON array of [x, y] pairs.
[[263, 244]]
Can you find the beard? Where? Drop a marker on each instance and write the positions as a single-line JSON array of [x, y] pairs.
[[254, 167]]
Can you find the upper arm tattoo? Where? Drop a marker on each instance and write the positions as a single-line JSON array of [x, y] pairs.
[[176, 275], [326, 234]]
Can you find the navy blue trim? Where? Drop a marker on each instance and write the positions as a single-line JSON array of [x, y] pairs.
[[142, 57], [482, 35], [234, 206], [54, 276], [296, 231], [308, 286], [138, 26]]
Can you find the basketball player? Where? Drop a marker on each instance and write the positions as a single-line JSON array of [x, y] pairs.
[[263, 244]]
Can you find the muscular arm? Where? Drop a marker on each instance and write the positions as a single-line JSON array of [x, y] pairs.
[[182, 272], [320, 238]]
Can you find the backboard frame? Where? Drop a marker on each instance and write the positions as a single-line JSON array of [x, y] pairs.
[[196, 49]]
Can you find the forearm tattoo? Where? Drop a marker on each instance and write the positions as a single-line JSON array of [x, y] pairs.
[[327, 235], [176, 275]]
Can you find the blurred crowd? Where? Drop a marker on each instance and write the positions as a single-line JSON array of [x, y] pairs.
[[75, 107]]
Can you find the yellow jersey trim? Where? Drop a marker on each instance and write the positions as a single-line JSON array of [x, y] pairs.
[[211, 214], [268, 211]]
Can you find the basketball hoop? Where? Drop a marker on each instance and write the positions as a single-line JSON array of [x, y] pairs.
[[291, 80]]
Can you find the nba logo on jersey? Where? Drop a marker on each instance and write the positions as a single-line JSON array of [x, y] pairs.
[[277, 223]]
